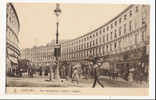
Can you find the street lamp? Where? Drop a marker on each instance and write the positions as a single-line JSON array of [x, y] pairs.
[[57, 12], [57, 50]]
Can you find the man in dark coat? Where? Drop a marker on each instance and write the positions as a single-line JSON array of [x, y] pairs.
[[97, 74]]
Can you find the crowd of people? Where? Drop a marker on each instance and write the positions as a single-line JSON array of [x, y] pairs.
[[77, 71]]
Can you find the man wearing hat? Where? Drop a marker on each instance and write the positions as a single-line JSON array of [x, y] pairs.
[[97, 69]]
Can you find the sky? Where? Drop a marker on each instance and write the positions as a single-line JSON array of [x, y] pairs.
[[38, 21]]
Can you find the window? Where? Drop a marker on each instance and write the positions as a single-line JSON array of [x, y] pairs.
[[90, 36], [107, 37], [103, 39], [143, 32], [115, 23], [111, 26], [110, 47], [143, 20], [96, 41], [115, 45], [130, 26], [108, 28], [93, 43], [119, 30], [90, 43], [119, 44], [130, 13], [120, 20], [136, 8], [107, 47], [100, 40], [87, 38], [100, 31], [103, 49], [124, 28], [125, 17], [104, 30], [111, 35], [87, 45], [96, 33], [115, 35]]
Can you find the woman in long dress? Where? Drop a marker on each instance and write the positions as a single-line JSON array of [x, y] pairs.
[[75, 76]]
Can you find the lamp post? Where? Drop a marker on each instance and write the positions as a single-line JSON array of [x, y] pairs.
[[57, 50]]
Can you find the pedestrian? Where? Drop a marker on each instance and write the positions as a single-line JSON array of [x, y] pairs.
[[97, 74], [75, 76], [46, 71]]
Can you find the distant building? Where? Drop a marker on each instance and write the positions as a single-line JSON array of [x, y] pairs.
[[39, 54], [125, 38], [12, 41]]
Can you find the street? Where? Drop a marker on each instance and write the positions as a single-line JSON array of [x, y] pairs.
[[87, 83]]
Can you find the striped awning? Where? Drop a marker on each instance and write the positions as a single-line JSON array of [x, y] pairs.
[[105, 65], [13, 60]]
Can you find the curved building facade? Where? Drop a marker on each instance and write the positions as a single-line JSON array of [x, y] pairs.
[[125, 38], [12, 41]]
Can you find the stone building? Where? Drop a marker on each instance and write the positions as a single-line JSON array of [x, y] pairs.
[[39, 55], [12, 41], [123, 39]]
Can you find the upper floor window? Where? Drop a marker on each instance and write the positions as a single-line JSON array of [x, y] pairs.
[[87, 45], [90, 36], [104, 30], [107, 47], [115, 23], [136, 8], [143, 20], [100, 40], [104, 39], [115, 35], [120, 20], [130, 26], [120, 30], [93, 42], [90, 43], [87, 38], [93, 35], [96, 41], [100, 31], [96, 33], [130, 13], [84, 39], [111, 35], [110, 47], [111, 26], [115, 45], [107, 37], [124, 28], [107, 28], [125, 17]]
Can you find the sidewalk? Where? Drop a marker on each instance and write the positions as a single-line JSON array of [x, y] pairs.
[[43, 81], [38, 82], [133, 83]]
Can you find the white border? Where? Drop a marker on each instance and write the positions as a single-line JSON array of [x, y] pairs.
[[3, 39], [2, 46]]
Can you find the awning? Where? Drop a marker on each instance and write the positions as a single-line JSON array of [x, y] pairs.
[[106, 65], [132, 69], [13, 60], [76, 66]]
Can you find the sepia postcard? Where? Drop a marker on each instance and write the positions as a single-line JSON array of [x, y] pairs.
[[77, 49]]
